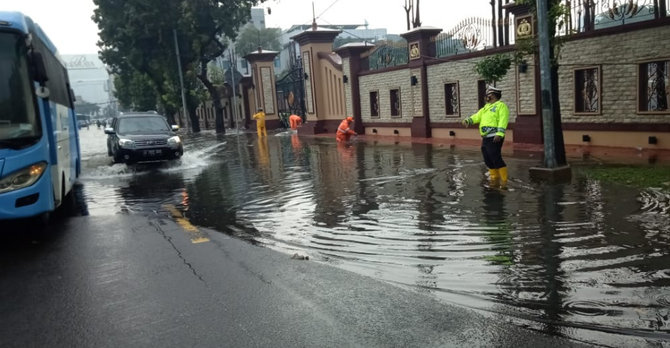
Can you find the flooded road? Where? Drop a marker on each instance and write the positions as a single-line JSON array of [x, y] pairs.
[[583, 259]]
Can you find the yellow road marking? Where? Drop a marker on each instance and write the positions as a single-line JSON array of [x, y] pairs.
[[195, 234]]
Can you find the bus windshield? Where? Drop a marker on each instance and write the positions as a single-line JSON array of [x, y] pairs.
[[19, 123]]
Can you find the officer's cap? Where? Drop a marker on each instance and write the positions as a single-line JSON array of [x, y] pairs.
[[491, 89]]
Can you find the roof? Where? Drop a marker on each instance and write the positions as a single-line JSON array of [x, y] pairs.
[[322, 27], [19, 21]]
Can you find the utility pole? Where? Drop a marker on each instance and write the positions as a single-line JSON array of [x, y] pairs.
[[545, 86], [551, 170], [181, 80], [233, 68]]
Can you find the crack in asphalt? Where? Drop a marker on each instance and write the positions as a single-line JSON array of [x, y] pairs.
[[179, 253]]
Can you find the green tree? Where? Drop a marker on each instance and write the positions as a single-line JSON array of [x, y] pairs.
[[135, 37], [140, 35], [251, 38], [493, 68], [135, 91]]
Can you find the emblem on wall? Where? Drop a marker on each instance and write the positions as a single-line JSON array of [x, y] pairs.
[[524, 27], [414, 51]]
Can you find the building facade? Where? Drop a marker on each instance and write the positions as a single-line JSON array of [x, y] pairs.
[[91, 82]]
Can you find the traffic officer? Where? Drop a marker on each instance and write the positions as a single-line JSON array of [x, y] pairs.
[[492, 119]]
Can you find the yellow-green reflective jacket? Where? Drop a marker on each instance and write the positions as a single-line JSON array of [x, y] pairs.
[[492, 119]]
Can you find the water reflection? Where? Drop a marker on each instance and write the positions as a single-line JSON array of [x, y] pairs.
[[581, 255]]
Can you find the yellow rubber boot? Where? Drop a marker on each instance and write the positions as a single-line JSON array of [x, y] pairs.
[[493, 177], [503, 176]]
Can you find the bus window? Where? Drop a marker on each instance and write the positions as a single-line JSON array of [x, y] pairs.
[[18, 119]]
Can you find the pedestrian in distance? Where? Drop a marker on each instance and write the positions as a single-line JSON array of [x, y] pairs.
[[492, 119], [345, 130], [295, 121], [260, 122]]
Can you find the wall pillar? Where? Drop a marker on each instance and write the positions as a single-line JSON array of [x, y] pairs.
[[528, 122], [312, 42], [263, 94], [421, 47], [351, 64]]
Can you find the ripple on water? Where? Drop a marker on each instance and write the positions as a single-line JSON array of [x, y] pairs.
[[423, 219], [590, 308]]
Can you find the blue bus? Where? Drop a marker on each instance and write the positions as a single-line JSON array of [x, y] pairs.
[[40, 157]]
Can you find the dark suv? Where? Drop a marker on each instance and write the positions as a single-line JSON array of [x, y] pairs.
[[142, 137]]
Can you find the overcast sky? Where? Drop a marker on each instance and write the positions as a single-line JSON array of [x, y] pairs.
[[68, 22]]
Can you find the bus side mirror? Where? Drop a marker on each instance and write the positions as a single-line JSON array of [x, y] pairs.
[[40, 68]]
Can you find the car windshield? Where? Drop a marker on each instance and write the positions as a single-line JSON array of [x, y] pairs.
[[18, 119], [142, 125]]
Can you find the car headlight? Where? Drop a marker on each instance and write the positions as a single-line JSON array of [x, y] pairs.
[[22, 178], [126, 143], [174, 141]]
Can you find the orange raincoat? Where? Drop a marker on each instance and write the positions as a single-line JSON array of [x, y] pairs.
[[344, 131], [295, 121]]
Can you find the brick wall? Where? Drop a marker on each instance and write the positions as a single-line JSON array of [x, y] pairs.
[[462, 72], [618, 56], [383, 83]]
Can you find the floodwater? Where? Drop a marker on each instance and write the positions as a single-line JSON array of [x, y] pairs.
[[583, 259]]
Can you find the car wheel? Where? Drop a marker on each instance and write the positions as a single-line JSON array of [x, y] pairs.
[[117, 158]]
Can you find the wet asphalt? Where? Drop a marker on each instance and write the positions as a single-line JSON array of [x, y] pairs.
[[155, 280]]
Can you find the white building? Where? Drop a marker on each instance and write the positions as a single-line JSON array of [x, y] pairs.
[[90, 80]]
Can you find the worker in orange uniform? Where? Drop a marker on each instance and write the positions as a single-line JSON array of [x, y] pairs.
[[345, 131], [295, 121], [260, 122]]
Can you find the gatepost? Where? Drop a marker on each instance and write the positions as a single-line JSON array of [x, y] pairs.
[[421, 47], [263, 88], [312, 42], [351, 64]]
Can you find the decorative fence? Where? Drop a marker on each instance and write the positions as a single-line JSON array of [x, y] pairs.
[[472, 34], [387, 55], [588, 15]]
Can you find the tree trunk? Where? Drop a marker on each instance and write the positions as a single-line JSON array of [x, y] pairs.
[[408, 7], [417, 18], [216, 98], [191, 108]]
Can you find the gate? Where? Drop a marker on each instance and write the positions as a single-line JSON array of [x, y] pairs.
[[291, 92]]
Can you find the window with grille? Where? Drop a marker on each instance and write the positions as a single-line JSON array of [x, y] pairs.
[[395, 103], [654, 86], [451, 99], [587, 90], [374, 104]]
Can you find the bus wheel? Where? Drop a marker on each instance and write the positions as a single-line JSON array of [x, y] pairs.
[[68, 206]]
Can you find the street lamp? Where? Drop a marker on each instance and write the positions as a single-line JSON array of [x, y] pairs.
[[181, 79]]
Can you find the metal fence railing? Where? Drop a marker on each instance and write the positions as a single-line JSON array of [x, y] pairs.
[[472, 34], [476, 34], [588, 15], [387, 55]]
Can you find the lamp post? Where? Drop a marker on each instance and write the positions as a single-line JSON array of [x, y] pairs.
[[181, 80], [233, 68]]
